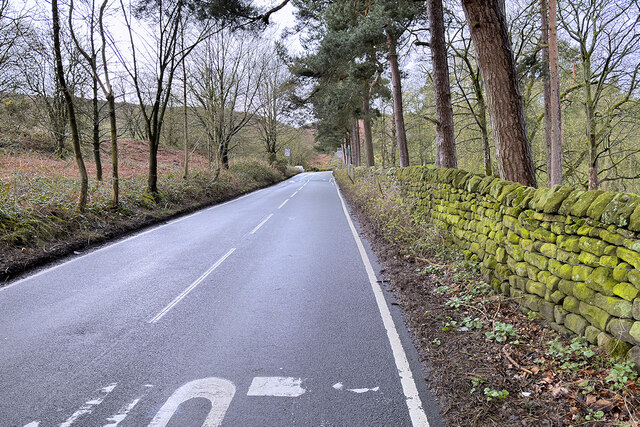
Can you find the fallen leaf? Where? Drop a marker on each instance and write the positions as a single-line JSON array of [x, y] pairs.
[[559, 391]]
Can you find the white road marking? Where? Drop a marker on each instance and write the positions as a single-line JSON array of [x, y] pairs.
[[363, 390], [409, 388], [218, 391], [33, 424], [283, 203], [294, 193], [261, 224], [276, 386], [191, 287], [88, 406], [135, 236], [338, 386], [115, 420]]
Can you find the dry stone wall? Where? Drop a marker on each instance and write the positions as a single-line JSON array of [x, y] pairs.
[[573, 256]]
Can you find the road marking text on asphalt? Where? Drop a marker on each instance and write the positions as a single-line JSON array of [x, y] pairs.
[[218, 391], [409, 388], [89, 405], [261, 224], [191, 287], [276, 386]]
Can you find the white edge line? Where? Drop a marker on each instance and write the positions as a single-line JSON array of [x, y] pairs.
[[119, 242], [283, 203], [261, 224], [191, 287], [409, 388]]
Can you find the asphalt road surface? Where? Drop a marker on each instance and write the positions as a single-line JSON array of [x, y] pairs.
[[262, 311]]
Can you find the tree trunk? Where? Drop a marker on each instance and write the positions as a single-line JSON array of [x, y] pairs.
[[368, 138], [186, 113], [96, 130], [152, 181], [491, 39], [396, 89], [546, 83], [486, 148], [75, 136], [115, 191], [445, 140], [556, 118]]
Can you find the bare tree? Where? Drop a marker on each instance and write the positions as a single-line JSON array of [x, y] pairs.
[[607, 37], [272, 106], [153, 83], [75, 136], [227, 73], [102, 79]]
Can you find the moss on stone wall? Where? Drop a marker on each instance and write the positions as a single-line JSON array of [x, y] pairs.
[[569, 254]]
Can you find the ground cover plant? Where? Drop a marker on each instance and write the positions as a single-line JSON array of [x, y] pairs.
[[489, 362], [39, 219]]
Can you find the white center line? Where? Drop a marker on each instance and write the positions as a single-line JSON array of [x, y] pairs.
[[294, 193], [283, 203], [261, 224], [191, 287]]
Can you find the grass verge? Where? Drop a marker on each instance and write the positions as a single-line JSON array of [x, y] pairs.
[[39, 220]]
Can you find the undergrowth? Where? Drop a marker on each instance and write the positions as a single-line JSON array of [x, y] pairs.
[[37, 211]]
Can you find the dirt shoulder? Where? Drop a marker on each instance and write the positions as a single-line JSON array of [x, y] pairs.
[[489, 364]]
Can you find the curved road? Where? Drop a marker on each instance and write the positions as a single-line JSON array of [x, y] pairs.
[[262, 311]]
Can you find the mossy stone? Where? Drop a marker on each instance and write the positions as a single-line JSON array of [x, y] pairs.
[[521, 269], [559, 314], [569, 243], [636, 309], [571, 304], [620, 329], [600, 204], [568, 203], [589, 259], [549, 249], [561, 330], [564, 271], [536, 288], [615, 306], [629, 256], [583, 292], [527, 245], [609, 261], [536, 260], [612, 238], [580, 273], [635, 332], [634, 220], [552, 201], [546, 310], [591, 334], [621, 272], [557, 297], [543, 235], [591, 245], [596, 316], [532, 302], [613, 346], [575, 323], [619, 209], [625, 291], [581, 205]]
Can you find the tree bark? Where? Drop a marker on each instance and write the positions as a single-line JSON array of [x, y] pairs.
[[96, 130], [556, 118], [186, 115], [396, 89], [368, 138], [445, 140], [75, 136], [546, 84], [495, 56]]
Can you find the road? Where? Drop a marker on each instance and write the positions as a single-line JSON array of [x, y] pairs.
[[262, 311]]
